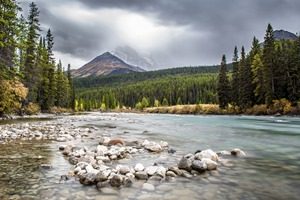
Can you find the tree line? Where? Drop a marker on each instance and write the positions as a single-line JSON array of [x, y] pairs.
[[27, 64], [170, 90], [113, 80], [269, 72]]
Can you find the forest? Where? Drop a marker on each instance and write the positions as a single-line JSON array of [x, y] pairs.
[[113, 80], [30, 78], [266, 77]]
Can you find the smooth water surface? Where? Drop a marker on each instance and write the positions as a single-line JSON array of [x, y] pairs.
[[271, 169]]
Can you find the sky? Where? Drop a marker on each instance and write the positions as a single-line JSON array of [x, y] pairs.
[[173, 32]]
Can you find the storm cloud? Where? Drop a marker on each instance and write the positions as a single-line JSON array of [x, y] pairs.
[[174, 32]]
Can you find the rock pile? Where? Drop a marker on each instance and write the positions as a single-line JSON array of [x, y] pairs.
[[91, 166]]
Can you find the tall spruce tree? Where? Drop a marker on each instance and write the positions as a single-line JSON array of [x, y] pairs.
[[268, 63], [223, 86], [72, 90], [8, 31], [235, 85], [258, 80], [31, 70], [246, 89]]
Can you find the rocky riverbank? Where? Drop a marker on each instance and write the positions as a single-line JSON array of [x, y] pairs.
[[109, 162]]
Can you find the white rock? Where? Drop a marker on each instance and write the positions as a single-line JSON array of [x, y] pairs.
[[163, 144], [211, 165], [139, 167], [153, 147], [151, 170], [123, 169], [238, 152], [210, 154], [161, 171]]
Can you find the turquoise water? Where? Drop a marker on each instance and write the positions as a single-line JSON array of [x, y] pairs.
[[271, 169]]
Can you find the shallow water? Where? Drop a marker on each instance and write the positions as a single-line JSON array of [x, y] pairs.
[[270, 170]]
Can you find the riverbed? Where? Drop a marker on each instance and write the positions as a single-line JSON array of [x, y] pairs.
[[269, 171]]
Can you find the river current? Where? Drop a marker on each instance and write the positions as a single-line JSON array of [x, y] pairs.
[[271, 169]]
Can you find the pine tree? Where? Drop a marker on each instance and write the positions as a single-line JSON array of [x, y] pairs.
[[223, 87], [235, 85], [246, 89], [268, 62], [59, 85], [8, 32], [258, 81], [72, 90], [21, 43], [31, 70]]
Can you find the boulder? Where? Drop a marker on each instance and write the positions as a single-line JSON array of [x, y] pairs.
[[101, 177], [116, 141], [171, 174], [161, 171], [116, 181], [211, 165], [141, 175], [127, 182], [87, 179], [139, 167], [186, 162], [151, 170], [199, 166], [207, 154], [163, 144], [68, 150], [176, 170], [238, 152], [153, 147], [123, 169]]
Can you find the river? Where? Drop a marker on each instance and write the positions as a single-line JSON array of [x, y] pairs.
[[271, 169]]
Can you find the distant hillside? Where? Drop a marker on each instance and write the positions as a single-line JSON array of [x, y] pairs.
[[105, 64], [112, 80]]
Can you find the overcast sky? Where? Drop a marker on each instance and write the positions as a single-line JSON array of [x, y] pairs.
[[174, 32]]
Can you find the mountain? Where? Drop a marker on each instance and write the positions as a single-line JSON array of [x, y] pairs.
[[132, 57], [105, 64], [284, 35]]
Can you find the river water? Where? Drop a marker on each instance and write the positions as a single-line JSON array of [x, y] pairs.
[[271, 169]]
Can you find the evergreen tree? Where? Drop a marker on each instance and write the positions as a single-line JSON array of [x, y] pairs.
[[258, 81], [235, 85], [268, 63], [223, 87], [31, 70], [59, 85], [246, 89], [71, 85], [8, 31], [21, 44]]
